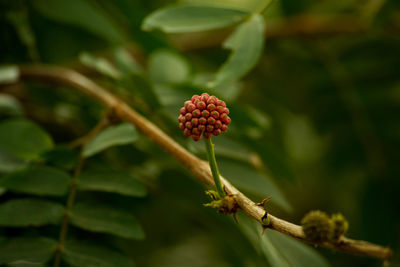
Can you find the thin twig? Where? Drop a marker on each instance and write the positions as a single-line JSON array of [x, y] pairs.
[[198, 167], [70, 203], [104, 122]]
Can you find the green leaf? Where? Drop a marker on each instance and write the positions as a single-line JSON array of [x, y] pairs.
[[115, 135], [111, 181], [227, 91], [101, 65], [251, 5], [93, 255], [246, 43], [9, 74], [252, 230], [106, 220], [192, 18], [297, 253], [278, 249], [126, 62], [168, 67], [23, 139], [22, 263], [27, 251], [82, 13], [38, 180], [61, 157], [9, 163], [10, 106], [30, 212], [246, 178]]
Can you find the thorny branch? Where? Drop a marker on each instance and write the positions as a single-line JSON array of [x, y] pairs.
[[200, 168]]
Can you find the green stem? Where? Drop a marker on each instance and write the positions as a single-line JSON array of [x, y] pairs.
[[70, 203], [214, 166]]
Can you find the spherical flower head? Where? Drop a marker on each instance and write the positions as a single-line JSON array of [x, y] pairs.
[[205, 116], [340, 226], [317, 226]]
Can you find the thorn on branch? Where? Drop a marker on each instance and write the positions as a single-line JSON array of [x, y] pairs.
[[265, 200]]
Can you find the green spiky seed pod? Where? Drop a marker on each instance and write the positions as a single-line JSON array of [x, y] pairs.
[[340, 226], [317, 226]]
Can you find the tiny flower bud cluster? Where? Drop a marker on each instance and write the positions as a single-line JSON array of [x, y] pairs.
[[204, 115]]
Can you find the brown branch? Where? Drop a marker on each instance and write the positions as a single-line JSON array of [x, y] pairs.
[[197, 166]]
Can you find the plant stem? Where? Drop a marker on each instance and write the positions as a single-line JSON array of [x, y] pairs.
[[214, 166], [70, 203]]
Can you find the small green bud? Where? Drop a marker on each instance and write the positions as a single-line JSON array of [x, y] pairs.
[[340, 226], [317, 226], [265, 220], [213, 194], [215, 204]]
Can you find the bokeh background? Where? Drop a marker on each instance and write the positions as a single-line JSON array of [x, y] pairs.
[[316, 123]]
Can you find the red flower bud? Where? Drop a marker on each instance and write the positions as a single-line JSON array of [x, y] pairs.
[[195, 97], [202, 120], [196, 113], [220, 109], [196, 131], [207, 135], [212, 100], [225, 118], [181, 118], [210, 120], [216, 132], [190, 107], [196, 137], [211, 107], [215, 114], [187, 132], [203, 115], [204, 97], [195, 121], [201, 105], [188, 116], [221, 103], [188, 125]]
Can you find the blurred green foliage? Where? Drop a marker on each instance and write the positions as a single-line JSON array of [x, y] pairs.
[[315, 124]]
